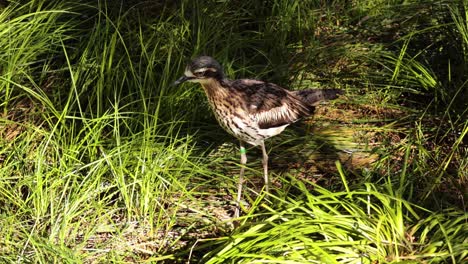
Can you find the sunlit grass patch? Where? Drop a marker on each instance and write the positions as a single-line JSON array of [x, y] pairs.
[[356, 226]]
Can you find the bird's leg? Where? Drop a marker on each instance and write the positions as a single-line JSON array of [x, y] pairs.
[[243, 161], [265, 165]]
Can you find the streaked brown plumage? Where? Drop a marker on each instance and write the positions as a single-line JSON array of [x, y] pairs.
[[251, 110]]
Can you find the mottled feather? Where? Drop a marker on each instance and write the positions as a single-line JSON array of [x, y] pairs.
[[312, 97], [268, 104]]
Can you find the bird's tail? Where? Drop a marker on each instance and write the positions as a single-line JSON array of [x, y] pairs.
[[313, 97]]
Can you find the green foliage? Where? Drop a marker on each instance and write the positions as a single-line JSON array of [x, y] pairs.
[[360, 226], [102, 160]]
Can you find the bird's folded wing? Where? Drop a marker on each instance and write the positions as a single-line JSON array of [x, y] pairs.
[[272, 106], [275, 117]]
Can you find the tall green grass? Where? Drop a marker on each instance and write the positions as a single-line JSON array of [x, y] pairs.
[[102, 160], [365, 225], [432, 71], [93, 151]]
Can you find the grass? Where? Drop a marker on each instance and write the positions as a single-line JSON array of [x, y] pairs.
[[359, 226], [102, 160]]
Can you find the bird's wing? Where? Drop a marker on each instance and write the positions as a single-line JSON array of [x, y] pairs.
[[314, 96], [271, 105]]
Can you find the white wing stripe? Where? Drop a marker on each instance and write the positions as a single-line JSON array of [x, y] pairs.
[[277, 113]]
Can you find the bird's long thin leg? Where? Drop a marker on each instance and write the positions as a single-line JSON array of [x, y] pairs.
[[265, 165], [243, 161]]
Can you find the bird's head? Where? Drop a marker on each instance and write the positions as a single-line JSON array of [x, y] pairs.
[[202, 69]]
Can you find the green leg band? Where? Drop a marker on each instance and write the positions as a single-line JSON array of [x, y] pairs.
[[243, 150]]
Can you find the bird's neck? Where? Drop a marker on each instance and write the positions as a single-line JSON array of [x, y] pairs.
[[215, 89]]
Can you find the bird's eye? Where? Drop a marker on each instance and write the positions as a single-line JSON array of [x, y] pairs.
[[199, 73]]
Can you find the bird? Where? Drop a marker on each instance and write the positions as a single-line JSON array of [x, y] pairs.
[[251, 110]]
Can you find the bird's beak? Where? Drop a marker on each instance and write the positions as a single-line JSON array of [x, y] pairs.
[[181, 80]]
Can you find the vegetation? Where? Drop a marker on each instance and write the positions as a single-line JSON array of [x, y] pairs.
[[102, 160]]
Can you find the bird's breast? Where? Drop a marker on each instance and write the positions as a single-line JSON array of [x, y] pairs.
[[229, 111]]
